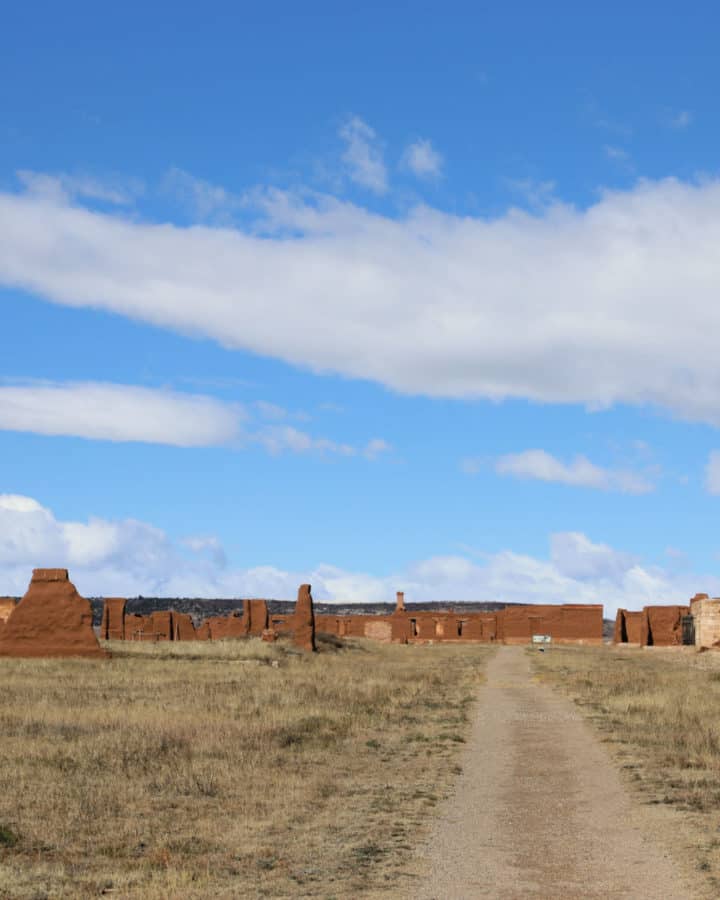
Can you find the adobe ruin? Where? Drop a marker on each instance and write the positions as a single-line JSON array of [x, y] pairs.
[[303, 621], [655, 626], [52, 619], [113, 620]]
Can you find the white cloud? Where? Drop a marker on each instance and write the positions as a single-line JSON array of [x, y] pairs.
[[114, 412], [576, 556], [613, 304], [279, 438], [63, 187], [118, 412], [423, 160], [275, 413], [127, 557], [201, 198], [209, 545], [363, 155], [542, 466], [712, 473], [538, 194], [376, 447]]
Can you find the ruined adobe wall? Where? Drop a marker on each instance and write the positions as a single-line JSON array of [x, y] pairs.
[[566, 623], [303, 623], [183, 627], [628, 627], [662, 625], [257, 610], [51, 620], [113, 620]]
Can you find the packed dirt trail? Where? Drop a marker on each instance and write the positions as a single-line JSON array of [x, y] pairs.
[[540, 809]]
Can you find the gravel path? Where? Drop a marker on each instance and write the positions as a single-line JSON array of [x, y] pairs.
[[540, 810]]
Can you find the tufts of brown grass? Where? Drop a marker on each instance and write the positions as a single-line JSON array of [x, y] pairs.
[[229, 769], [660, 712]]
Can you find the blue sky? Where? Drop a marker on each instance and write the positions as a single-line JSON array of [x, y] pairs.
[[384, 297]]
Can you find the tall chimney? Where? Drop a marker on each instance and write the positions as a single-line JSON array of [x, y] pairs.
[[400, 602]]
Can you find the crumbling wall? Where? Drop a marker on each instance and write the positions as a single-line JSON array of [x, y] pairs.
[[628, 627], [52, 619], [183, 628], [379, 630], [113, 620], [161, 625], [400, 631], [567, 623], [258, 617], [303, 620], [134, 625], [221, 627], [328, 624], [662, 625]]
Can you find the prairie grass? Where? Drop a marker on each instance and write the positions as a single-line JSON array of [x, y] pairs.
[[659, 709], [227, 769]]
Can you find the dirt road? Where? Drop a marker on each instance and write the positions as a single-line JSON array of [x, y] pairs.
[[540, 809]]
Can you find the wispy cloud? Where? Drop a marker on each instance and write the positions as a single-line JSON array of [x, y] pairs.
[[200, 198], [537, 194], [678, 119], [620, 156], [599, 118], [423, 160], [280, 438], [276, 413], [129, 413], [363, 155], [61, 186], [580, 472]]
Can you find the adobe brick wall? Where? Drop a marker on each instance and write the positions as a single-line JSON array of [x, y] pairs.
[[327, 624], [628, 627], [381, 631], [52, 619], [221, 627], [258, 613], [662, 625], [133, 625], [183, 628], [400, 627], [113, 620], [566, 623], [303, 620], [161, 625]]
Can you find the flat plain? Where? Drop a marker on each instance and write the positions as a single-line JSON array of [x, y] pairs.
[[230, 769]]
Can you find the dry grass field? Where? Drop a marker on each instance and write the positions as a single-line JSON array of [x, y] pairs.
[[231, 769], [660, 712]]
